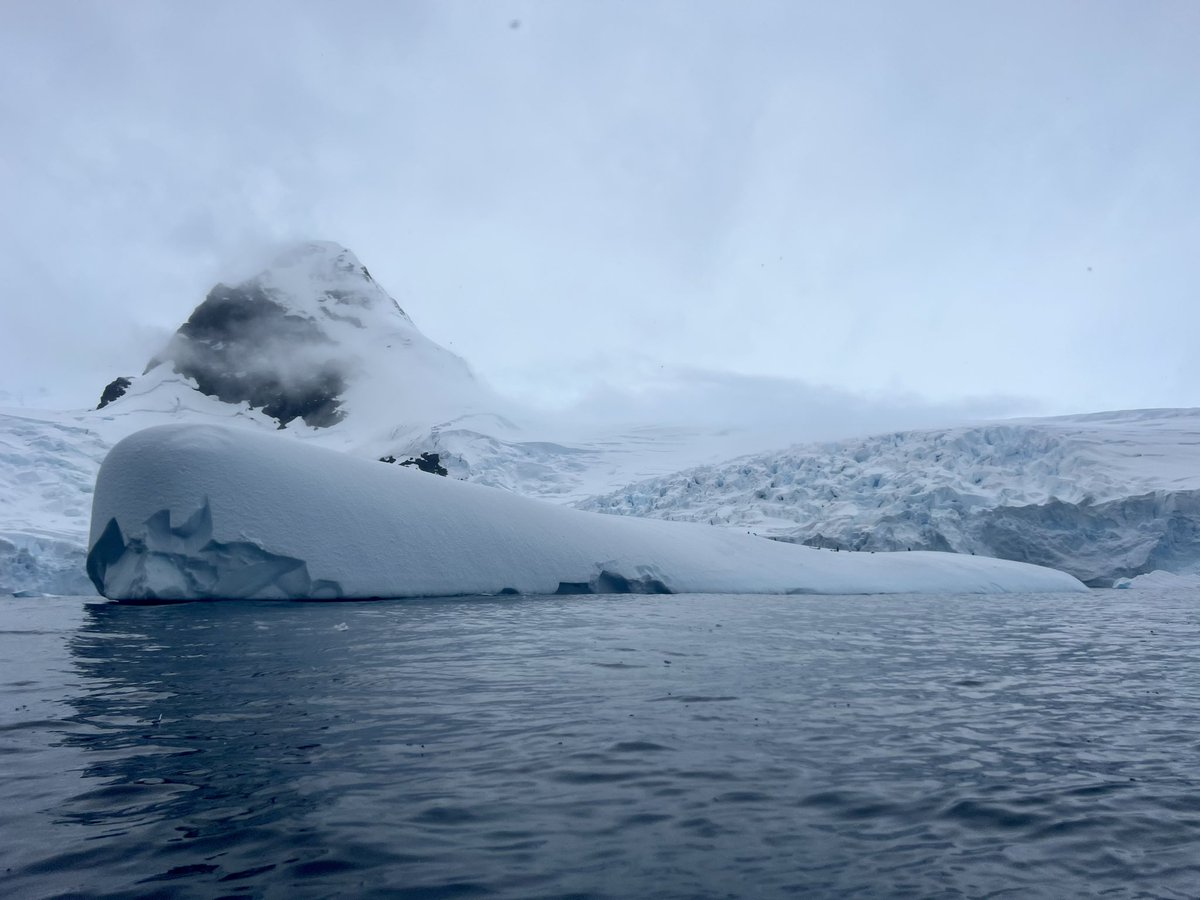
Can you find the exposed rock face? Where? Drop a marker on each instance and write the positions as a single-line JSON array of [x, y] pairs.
[[114, 390], [242, 346], [426, 462], [312, 339]]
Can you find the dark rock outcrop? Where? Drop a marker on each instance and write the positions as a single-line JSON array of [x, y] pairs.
[[426, 462], [241, 346], [114, 390]]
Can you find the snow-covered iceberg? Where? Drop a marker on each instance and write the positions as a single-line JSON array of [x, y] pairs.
[[210, 512]]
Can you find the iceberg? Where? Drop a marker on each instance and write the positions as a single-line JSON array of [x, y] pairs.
[[199, 511], [1159, 580]]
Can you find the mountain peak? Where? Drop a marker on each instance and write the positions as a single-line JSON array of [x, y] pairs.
[[317, 277], [319, 260], [308, 337]]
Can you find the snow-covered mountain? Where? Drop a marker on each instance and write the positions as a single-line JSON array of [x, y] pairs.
[[312, 347], [310, 340], [1102, 496]]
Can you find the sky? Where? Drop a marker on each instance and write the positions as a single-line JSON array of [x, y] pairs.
[[944, 208]]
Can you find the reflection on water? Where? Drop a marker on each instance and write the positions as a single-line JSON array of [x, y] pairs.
[[625, 746]]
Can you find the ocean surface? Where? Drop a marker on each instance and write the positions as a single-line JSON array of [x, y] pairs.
[[626, 746]]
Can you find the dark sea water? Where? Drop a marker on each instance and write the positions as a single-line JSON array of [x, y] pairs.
[[629, 746]]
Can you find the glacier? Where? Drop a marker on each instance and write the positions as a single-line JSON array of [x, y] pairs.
[[1104, 496], [184, 512]]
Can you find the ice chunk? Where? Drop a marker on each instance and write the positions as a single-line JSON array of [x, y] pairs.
[[1160, 581], [183, 562], [260, 516]]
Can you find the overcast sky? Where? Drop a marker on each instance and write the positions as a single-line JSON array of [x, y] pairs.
[[975, 206]]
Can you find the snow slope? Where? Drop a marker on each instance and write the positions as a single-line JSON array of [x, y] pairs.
[[1103, 496], [205, 512], [48, 466], [49, 461], [312, 348], [314, 340]]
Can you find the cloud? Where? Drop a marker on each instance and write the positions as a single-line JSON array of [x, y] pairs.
[[777, 410], [949, 201]]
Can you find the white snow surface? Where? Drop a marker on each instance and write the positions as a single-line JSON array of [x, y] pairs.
[[1102, 495], [209, 512], [405, 395], [49, 462], [918, 489]]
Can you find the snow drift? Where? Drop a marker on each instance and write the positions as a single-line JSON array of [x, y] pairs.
[[205, 512]]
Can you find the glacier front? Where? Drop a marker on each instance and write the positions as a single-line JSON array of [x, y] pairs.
[[209, 512]]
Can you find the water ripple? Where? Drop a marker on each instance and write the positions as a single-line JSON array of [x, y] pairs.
[[608, 747]]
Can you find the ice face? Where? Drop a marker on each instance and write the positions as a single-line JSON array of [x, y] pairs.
[[183, 562], [1102, 496]]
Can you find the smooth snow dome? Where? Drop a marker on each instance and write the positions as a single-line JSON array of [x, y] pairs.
[[206, 512]]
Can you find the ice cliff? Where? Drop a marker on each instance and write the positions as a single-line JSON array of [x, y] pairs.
[[1103, 496]]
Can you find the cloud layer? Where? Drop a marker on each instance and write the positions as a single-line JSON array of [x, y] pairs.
[[931, 199]]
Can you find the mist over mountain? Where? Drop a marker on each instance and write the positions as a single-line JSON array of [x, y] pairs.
[[313, 348], [313, 337]]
